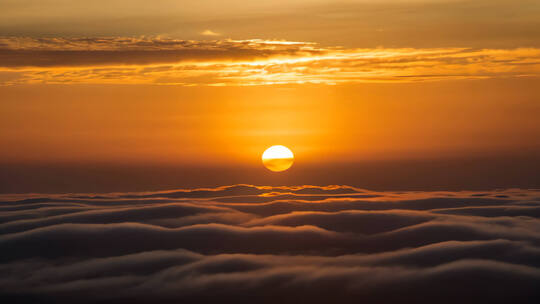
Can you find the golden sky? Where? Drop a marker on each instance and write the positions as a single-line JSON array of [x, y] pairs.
[[336, 81], [199, 151]]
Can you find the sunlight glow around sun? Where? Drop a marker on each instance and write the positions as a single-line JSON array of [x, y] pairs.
[[278, 158]]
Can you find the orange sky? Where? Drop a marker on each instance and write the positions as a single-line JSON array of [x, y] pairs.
[[358, 80], [354, 122]]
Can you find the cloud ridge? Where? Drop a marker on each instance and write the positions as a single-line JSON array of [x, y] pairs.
[[245, 243]]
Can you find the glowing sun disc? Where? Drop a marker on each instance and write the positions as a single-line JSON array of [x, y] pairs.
[[278, 158]]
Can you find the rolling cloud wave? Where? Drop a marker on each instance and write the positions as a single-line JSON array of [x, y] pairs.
[[249, 243]]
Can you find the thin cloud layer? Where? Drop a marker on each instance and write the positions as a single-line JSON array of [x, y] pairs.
[[247, 243], [245, 62]]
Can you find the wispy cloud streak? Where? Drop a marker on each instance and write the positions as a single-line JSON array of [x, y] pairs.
[[246, 62]]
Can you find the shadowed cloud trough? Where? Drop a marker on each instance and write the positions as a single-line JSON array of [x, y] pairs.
[[315, 243]]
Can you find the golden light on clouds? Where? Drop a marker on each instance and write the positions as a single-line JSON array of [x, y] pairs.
[[210, 33], [246, 62], [143, 98]]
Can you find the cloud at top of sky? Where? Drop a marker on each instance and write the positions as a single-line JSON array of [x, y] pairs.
[[252, 243], [164, 61], [352, 23], [210, 33]]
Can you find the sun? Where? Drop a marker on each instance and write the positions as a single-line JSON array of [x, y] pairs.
[[277, 158]]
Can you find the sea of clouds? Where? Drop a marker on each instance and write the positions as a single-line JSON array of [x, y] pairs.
[[245, 243]]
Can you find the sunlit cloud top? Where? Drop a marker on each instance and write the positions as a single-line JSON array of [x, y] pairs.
[[245, 62]]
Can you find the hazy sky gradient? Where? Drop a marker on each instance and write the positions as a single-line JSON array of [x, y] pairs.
[[221, 125], [175, 83]]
